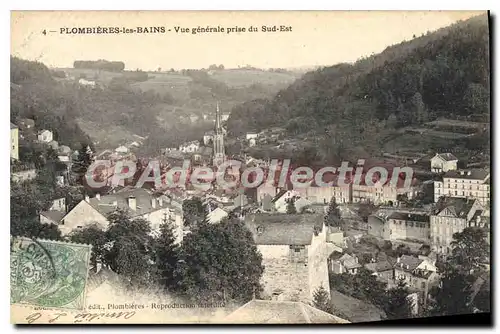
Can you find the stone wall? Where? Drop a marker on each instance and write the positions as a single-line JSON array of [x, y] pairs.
[[290, 278]]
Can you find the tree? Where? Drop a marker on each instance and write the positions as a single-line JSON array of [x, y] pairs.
[[365, 210], [193, 211], [32, 228], [452, 297], [477, 99], [167, 254], [95, 236], [220, 263], [81, 163], [290, 206], [419, 109], [398, 305], [470, 250], [132, 252], [333, 216], [321, 300]]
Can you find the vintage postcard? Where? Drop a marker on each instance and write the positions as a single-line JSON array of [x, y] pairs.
[[222, 167]]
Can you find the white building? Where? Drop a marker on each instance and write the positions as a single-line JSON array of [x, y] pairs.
[[452, 216], [45, 136], [443, 162], [208, 137], [190, 147], [85, 82], [138, 202], [215, 216], [251, 135], [280, 201], [122, 149], [472, 183]]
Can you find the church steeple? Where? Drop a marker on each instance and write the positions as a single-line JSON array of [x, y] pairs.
[[217, 119], [218, 153]]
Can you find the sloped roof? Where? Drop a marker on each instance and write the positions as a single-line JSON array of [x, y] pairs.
[[353, 309], [105, 205], [349, 261], [460, 207], [280, 312], [378, 267], [279, 195], [447, 156], [283, 229], [409, 217], [468, 174], [409, 263], [53, 215]]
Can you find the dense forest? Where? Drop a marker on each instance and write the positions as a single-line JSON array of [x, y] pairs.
[[444, 74]]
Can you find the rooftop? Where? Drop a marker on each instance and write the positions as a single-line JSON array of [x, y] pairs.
[[106, 204], [447, 156], [353, 309], [468, 174], [408, 263], [281, 312], [53, 215], [410, 217], [459, 207], [283, 229], [379, 266]]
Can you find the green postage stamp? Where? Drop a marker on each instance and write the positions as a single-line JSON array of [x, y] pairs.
[[48, 273]]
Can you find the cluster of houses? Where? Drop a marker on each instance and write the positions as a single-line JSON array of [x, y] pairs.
[[26, 130], [299, 252]]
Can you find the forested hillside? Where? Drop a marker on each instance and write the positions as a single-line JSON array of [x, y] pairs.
[[441, 75], [121, 104], [36, 95]]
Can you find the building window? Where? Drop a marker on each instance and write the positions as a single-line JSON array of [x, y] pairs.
[[422, 285]]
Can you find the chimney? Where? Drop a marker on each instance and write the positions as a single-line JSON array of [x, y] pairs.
[[132, 203], [98, 197], [87, 198], [153, 203], [399, 259]]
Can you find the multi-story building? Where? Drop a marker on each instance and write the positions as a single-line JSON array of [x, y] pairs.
[[400, 226], [451, 216], [471, 183], [382, 193], [443, 162], [323, 195], [419, 274], [14, 142]]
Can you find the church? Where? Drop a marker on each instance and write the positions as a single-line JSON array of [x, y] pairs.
[[219, 155]]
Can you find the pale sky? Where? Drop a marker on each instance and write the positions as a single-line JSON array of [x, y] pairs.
[[317, 38]]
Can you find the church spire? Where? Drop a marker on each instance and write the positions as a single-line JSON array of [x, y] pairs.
[[217, 119], [218, 141]]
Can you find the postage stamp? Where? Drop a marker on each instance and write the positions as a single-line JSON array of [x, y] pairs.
[[48, 273]]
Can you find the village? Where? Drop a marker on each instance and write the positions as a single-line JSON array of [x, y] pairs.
[[305, 235]]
